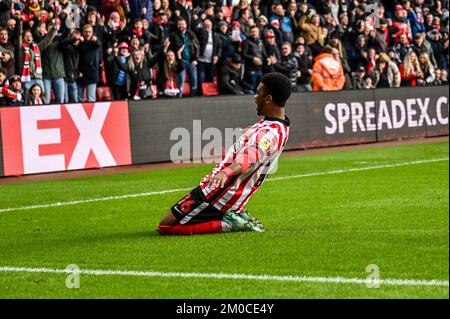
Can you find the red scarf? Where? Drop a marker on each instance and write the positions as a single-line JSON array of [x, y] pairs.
[[6, 92], [138, 33], [26, 73]]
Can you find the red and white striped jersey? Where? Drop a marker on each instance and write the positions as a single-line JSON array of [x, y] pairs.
[[268, 136]]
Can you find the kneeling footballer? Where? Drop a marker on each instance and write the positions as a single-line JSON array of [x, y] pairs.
[[218, 203]]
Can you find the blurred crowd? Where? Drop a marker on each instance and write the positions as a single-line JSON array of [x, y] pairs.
[[74, 51]]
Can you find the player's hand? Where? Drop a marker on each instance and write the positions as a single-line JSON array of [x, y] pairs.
[[217, 180]]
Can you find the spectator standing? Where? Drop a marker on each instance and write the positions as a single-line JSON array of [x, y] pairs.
[[89, 64], [117, 64], [421, 45], [237, 37], [359, 53], [336, 44], [160, 29], [71, 63], [288, 64], [225, 42], [111, 31], [53, 68], [170, 65], [410, 70], [272, 50], [313, 33], [402, 47], [440, 48], [304, 61], [358, 78], [275, 28], [210, 51], [263, 24], [140, 75], [385, 74], [286, 22], [382, 35], [185, 38], [427, 70], [29, 58], [254, 56], [7, 56]]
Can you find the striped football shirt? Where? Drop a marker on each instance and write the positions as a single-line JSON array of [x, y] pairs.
[[268, 136]]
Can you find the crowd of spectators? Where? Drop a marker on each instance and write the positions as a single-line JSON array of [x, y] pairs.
[[74, 51]]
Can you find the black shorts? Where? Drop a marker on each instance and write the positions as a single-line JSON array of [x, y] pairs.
[[194, 209]]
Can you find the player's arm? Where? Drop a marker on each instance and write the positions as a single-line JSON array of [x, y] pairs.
[[244, 160], [221, 178]]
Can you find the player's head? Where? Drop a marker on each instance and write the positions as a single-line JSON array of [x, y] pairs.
[[273, 91]]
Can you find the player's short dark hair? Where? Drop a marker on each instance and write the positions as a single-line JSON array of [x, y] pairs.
[[278, 86]]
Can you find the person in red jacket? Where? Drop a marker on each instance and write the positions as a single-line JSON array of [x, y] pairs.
[[410, 70]]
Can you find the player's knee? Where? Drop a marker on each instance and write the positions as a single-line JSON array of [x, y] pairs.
[[168, 220], [165, 229]]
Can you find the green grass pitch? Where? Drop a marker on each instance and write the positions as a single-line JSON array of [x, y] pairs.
[[324, 225]]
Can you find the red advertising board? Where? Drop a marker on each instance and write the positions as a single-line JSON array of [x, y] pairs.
[[65, 137]]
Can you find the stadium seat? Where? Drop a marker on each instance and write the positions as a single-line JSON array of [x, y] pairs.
[[187, 89], [104, 93], [210, 89]]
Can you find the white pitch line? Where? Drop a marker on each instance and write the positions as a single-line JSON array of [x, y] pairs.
[[358, 169], [331, 280], [92, 200]]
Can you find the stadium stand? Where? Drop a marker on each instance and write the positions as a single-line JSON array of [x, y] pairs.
[[378, 43]]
